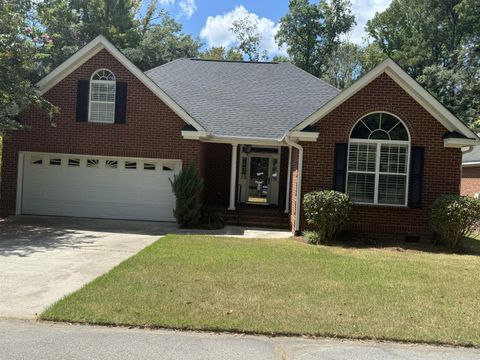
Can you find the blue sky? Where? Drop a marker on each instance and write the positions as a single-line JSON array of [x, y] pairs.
[[212, 19]]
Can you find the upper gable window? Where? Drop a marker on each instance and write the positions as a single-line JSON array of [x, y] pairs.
[[378, 158], [102, 96]]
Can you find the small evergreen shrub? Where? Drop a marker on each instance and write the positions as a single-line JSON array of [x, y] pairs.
[[187, 187], [212, 219], [453, 217], [328, 213]]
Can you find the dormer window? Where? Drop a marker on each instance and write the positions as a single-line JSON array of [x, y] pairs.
[[102, 96]]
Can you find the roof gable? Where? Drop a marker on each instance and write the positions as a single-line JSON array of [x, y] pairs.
[[409, 85], [93, 48]]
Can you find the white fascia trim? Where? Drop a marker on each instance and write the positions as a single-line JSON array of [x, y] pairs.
[[243, 140], [194, 135], [432, 105], [471, 164], [460, 143], [304, 135], [91, 49]]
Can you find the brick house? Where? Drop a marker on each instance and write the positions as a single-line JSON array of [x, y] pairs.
[[261, 134], [471, 172]]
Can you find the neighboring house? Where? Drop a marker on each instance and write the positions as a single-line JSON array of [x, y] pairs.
[[471, 172], [260, 133]]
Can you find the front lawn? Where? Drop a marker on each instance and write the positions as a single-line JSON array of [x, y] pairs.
[[287, 287]]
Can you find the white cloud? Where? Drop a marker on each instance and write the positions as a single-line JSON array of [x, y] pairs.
[[166, 2], [364, 10], [216, 30], [187, 8]]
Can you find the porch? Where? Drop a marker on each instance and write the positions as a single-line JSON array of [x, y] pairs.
[[252, 183]]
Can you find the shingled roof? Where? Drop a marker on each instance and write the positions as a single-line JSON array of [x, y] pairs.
[[472, 157], [243, 99]]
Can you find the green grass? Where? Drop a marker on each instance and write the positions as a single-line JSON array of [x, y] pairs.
[[287, 287]]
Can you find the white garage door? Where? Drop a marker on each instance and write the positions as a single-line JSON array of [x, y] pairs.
[[100, 187]]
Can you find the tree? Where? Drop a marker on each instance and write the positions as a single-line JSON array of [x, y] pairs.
[[148, 40], [73, 23], [280, 58], [163, 42], [21, 48], [438, 43], [248, 37], [344, 66], [220, 53], [312, 32]]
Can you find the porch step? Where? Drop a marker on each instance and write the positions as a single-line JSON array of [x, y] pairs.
[[263, 217]]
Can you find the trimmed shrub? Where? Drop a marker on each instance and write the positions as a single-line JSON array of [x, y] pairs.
[[187, 187], [453, 217], [328, 213]]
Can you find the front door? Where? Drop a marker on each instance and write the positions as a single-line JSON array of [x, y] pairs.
[[263, 180]]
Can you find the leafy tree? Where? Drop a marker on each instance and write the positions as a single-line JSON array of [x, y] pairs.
[[312, 32], [148, 40], [220, 53], [438, 43], [248, 37], [280, 58], [161, 43], [21, 48], [344, 66]]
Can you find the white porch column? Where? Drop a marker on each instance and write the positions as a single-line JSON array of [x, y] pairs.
[[287, 198], [233, 177]]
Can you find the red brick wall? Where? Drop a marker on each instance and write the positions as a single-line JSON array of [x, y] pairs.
[[152, 129], [470, 180], [442, 165], [217, 174]]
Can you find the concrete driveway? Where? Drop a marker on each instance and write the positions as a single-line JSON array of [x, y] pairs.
[[44, 258]]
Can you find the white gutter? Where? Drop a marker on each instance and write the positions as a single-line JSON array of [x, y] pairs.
[[289, 180], [299, 181]]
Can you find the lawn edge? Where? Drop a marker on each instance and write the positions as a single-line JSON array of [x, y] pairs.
[[234, 331]]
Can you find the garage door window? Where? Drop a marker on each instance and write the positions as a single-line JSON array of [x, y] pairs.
[[130, 165], [111, 164], [56, 162], [73, 162], [93, 163], [148, 166]]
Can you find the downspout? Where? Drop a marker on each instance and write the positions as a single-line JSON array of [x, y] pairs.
[[299, 182], [289, 180]]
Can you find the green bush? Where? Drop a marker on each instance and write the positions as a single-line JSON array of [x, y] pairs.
[[328, 213], [212, 218], [187, 187], [453, 217]]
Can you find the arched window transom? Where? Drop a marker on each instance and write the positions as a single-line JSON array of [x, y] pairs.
[[102, 96], [378, 158]]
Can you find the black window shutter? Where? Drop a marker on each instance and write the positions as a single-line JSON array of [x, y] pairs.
[[121, 103], [82, 100], [416, 177], [340, 167]]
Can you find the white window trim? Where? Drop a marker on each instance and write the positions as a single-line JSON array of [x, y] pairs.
[[377, 171], [114, 82]]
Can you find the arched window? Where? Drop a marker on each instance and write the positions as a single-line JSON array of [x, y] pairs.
[[102, 96], [378, 158]]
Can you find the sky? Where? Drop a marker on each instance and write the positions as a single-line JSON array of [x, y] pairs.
[[211, 19]]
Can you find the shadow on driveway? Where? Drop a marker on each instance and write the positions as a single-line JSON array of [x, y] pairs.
[[24, 235]]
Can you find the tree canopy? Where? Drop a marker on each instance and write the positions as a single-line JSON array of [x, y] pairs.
[[436, 41]]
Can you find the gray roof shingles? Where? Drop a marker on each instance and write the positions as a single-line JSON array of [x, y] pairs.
[[243, 99]]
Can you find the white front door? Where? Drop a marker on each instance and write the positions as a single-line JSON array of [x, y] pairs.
[[98, 187]]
